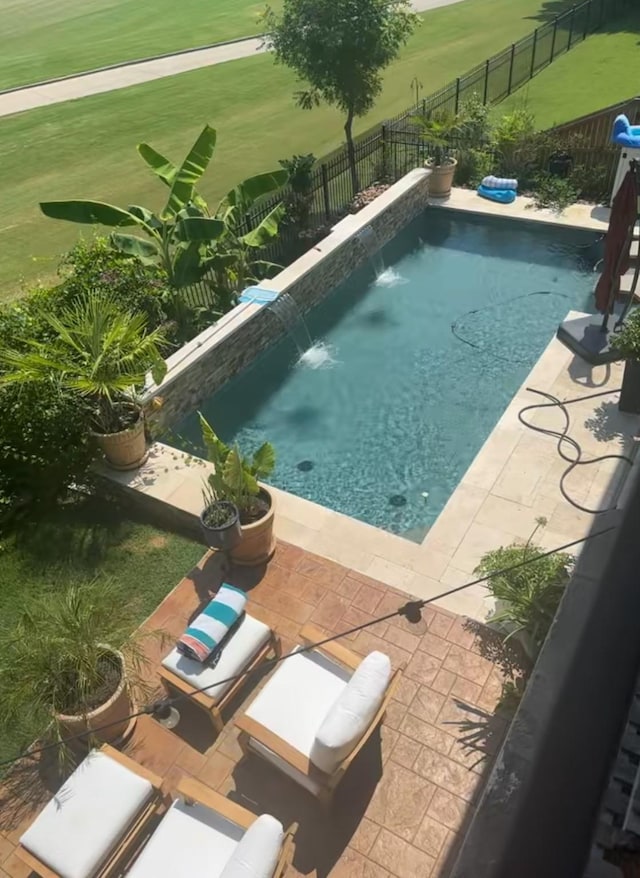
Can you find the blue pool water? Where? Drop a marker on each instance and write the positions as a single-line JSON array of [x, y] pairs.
[[425, 360]]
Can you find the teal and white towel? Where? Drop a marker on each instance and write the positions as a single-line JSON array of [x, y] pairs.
[[207, 631], [492, 182]]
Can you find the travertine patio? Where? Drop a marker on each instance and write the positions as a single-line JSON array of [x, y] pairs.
[[406, 801]]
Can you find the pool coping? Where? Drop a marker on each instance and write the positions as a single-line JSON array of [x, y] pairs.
[[465, 528]]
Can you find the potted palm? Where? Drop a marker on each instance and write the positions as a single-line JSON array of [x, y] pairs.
[[70, 666], [235, 481], [627, 343], [527, 597], [102, 353], [436, 131]]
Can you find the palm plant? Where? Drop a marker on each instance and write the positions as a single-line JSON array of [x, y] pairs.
[[528, 597], [98, 351], [186, 238], [61, 659], [437, 130]]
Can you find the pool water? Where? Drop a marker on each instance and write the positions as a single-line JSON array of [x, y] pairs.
[[414, 369]]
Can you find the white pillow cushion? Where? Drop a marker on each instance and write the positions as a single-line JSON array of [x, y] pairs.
[[257, 853], [87, 817], [350, 715]]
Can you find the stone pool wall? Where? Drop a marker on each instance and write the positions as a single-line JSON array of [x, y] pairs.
[[201, 367]]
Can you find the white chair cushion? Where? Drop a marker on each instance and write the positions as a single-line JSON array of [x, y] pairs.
[[250, 636], [348, 718], [191, 840], [296, 698], [87, 817], [257, 854]]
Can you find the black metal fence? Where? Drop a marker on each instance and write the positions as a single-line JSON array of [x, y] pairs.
[[391, 149]]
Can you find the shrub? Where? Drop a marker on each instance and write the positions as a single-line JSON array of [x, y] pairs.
[[473, 165], [555, 193], [627, 341], [44, 444]]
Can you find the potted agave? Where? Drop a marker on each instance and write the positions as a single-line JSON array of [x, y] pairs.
[[234, 482], [102, 353], [627, 343], [436, 131], [70, 666]]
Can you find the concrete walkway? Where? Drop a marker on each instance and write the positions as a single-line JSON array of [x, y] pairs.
[[85, 84]]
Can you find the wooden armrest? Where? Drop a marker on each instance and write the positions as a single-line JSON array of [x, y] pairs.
[[192, 790], [310, 634], [132, 765], [279, 746]]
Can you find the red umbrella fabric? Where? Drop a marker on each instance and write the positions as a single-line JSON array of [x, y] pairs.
[[624, 212]]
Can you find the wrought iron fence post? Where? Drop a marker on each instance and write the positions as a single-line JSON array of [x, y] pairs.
[[457, 105], [601, 16], [325, 190], [383, 133], [553, 40], [513, 52], [587, 18], [486, 82], [533, 53], [571, 17]]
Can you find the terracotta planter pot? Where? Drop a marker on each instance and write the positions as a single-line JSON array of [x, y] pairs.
[[258, 542], [116, 710], [441, 179], [127, 449]]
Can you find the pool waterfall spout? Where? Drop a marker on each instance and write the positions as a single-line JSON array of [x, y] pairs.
[[368, 240], [285, 309]]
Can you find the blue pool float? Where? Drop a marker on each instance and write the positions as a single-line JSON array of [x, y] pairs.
[[502, 196], [625, 134]]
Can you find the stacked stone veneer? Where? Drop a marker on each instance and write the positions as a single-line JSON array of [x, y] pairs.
[[202, 366]]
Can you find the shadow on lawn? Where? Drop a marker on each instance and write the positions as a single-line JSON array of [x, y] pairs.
[[627, 22]]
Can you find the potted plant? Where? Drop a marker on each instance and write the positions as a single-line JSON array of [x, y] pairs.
[[528, 597], [627, 343], [220, 523], [235, 480], [102, 353], [436, 131], [70, 666]]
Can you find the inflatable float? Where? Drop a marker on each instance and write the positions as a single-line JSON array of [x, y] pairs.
[[500, 189], [625, 134]]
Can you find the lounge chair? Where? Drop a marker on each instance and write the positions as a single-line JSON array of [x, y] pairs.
[[317, 711], [94, 826], [94, 820], [203, 833], [251, 644]]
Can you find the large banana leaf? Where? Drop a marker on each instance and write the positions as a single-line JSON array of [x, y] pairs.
[[89, 212], [267, 230], [145, 251], [198, 229], [190, 171], [244, 194], [161, 166], [187, 266]]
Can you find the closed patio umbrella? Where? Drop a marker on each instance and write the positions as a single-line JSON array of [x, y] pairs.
[[624, 213]]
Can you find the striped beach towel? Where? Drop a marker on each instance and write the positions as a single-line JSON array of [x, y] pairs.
[[207, 631], [492, 182]]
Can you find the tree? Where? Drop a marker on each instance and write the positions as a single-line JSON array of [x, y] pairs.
[[339, 49]]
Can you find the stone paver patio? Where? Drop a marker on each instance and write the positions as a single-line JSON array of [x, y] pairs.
[[402, 808]]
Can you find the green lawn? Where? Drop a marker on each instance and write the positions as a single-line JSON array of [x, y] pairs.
[[599, 72], [86, 148], [41, 39], [76, 543]]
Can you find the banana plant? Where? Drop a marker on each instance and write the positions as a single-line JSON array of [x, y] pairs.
[[183, 237]]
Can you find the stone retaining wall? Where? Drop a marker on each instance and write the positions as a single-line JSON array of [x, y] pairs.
[[201, 367]]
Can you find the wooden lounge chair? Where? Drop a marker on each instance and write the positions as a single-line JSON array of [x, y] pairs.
[[302, 721], [95, 820], [94, 827], [251, 644], [204, 833]]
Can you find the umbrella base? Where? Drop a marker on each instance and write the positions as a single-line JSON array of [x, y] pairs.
[[584, 336]]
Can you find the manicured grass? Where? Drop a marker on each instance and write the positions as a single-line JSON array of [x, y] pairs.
[[86, 148], [41, 39], [79, 542], [599, 72]]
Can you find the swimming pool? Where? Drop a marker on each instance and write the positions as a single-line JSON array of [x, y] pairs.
[[423, 361]]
